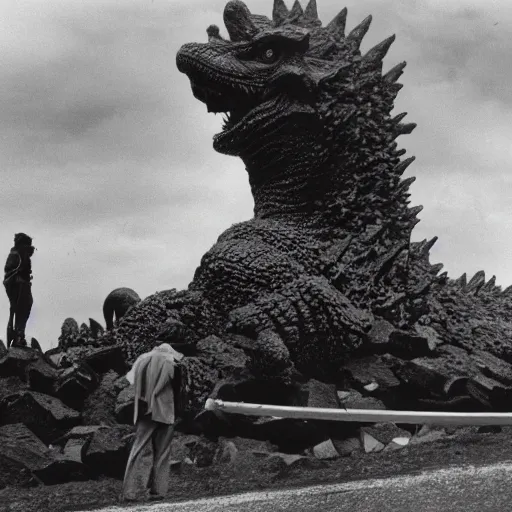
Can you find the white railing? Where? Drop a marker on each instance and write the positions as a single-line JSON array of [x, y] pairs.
[[362, 415]]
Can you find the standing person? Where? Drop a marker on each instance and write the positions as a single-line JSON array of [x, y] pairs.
[[152, 377], [18, 286]]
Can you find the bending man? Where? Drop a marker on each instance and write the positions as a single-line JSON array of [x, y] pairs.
[[152, 377]]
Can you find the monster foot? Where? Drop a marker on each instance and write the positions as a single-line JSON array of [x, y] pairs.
[[317, 323]]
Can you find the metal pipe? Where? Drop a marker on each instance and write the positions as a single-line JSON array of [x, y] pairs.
[[362, 415]]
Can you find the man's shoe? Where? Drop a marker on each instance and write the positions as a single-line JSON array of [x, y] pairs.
[[156, 497], [128, 499]]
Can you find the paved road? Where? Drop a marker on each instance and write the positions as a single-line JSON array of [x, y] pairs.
[[464, 489]]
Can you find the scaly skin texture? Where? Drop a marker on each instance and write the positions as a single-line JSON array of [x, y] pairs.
[[328, 250], [68, 333], [311, 120]]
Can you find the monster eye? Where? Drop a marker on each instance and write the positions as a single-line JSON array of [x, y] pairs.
[[269, 55]]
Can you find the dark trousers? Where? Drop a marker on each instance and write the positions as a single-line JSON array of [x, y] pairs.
[[151, 454], [20, 297]]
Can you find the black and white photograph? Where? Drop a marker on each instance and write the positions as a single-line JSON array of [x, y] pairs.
[[257, 255]]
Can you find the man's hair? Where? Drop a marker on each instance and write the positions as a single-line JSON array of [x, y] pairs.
[[22, 239]]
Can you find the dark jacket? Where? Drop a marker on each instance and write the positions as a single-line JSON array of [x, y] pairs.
[[18, 264]]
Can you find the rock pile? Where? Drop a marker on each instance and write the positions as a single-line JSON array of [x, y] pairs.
[[322, 283], [62, 423], [43, 410]]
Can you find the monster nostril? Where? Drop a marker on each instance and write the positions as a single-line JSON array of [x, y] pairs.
[[183, 57]]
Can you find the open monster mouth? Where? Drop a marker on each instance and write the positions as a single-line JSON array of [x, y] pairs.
[[249, 114], [234, 105]]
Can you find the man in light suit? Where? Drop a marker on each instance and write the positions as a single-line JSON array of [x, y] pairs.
[[152, 377]]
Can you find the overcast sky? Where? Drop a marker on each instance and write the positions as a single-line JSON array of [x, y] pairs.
[[107, 159]]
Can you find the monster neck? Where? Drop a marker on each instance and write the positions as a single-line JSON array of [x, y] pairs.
[[286, 175], [292, 182], [296, 175]]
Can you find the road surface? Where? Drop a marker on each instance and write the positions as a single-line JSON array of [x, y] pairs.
[[461, 489]]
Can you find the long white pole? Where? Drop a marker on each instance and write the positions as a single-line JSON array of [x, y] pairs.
[[362, 415]]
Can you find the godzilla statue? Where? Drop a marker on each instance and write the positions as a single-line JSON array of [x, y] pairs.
[[118, 302], [328, 256]]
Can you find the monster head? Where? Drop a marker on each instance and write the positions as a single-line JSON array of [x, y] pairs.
[[309, 116]]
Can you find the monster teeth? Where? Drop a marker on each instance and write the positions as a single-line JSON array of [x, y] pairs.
[[246, 89]]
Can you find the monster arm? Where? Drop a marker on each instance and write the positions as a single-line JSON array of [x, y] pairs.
[[309, 315]]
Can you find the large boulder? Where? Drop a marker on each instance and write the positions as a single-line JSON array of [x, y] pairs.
[[99, 407], [32, 367], [411, 344], [74, 443], [75, 384], [15, 361], [370, 372], [55, 355], [11, 386], [124, 406], [44, 415], [25, 460], [456, 373], [105, 359], [379, 335], [493, 367], [41, 375], [108, 450]]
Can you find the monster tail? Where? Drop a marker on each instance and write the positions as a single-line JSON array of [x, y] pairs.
[[108, 314]]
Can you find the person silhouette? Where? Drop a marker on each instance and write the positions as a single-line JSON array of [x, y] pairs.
[[18, 286]]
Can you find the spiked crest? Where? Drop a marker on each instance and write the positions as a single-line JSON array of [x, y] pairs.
[[238, 21], [329, 43]]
